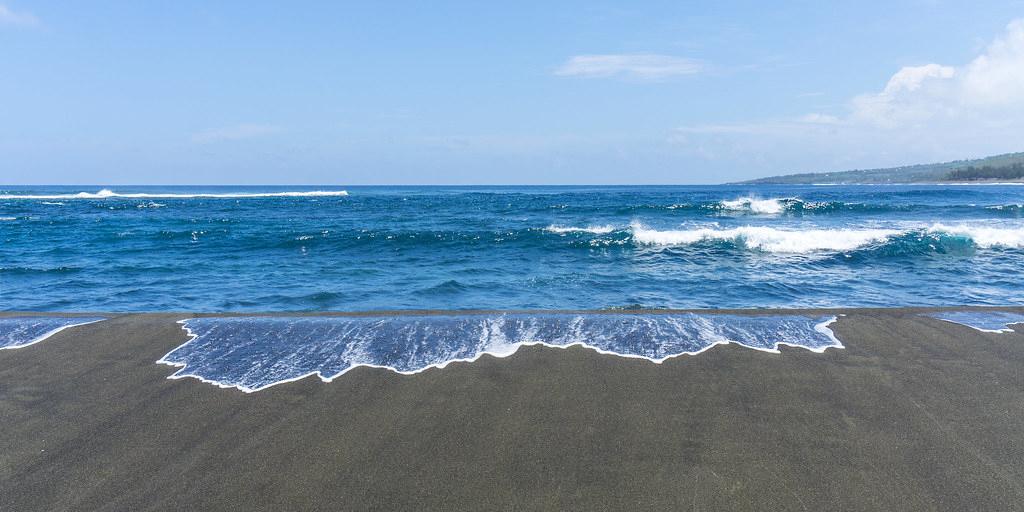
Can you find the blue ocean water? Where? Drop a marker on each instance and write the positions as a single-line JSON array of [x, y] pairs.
[[254, 352], [383, 248]]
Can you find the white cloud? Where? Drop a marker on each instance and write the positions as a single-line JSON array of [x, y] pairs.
[[636, 66], [989, 86], [237, 132], [996, 77], [923, 113], [22, 19]]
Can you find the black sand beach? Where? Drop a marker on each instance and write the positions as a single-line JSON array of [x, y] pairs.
[[914, 414]]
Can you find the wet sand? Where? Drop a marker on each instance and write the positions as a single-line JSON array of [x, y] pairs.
[[914, 414]]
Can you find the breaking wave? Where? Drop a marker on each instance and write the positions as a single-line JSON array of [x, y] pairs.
[[769, 239], [597, 230], [108, 194], [761, 206]]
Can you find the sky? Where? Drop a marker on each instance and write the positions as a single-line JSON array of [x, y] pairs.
[[446, 92]]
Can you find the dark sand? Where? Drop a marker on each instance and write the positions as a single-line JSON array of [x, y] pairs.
[[914, 414]]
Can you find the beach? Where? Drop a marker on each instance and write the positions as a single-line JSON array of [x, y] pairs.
[[913, 413]]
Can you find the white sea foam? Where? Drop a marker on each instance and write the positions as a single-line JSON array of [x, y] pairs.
[[760, 206], [20, 332], [768, 239], [107, 193], [797, 241], [8, 218], [254, 353], [597, 230], [984, 236], [984, 321]]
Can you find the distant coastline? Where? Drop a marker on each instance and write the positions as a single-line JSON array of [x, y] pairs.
[[999, 169]]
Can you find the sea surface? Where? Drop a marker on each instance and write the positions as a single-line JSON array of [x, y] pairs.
[[276, 249]]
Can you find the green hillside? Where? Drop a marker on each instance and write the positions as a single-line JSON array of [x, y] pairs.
[[1008, 167]]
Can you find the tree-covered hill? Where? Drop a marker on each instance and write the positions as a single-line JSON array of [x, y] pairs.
[[1007, 167]]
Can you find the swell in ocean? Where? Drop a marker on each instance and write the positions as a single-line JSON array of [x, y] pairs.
[[371, 248]]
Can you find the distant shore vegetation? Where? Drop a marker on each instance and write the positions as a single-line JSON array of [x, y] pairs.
[[1006, 167], [972, 173]]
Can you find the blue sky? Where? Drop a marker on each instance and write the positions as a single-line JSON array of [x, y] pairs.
[[113, 92]]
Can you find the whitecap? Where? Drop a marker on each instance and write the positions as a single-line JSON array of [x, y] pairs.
[[984, 236], [597, 230], [768, 239], [760, 206], [107, 193]]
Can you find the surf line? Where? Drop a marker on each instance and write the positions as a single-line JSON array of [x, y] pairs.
[[272, 347], [40, 337]]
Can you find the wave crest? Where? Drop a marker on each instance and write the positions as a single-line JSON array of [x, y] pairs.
[[759, 206], [775, 240], [596, 230], [768, 239], [108, 194]]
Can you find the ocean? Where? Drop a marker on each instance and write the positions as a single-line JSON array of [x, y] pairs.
[[353, 249]]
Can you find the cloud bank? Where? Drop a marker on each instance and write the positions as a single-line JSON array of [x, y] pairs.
[[989, 84], [926, 112]]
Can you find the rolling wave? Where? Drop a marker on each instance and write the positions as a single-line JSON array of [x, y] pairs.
[[760, 206], [882, 241], [597, 230], [108, 194], [769, 239], [798, 206]]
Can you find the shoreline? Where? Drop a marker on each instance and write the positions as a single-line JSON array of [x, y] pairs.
[[914, 413], [839, 310]]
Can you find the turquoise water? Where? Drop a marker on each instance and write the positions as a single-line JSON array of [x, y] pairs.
[[383, 248]]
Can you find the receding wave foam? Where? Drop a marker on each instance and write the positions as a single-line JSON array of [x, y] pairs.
[[107, 194], [597, 230], [253, 353], [985, 321], [22, 331]]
